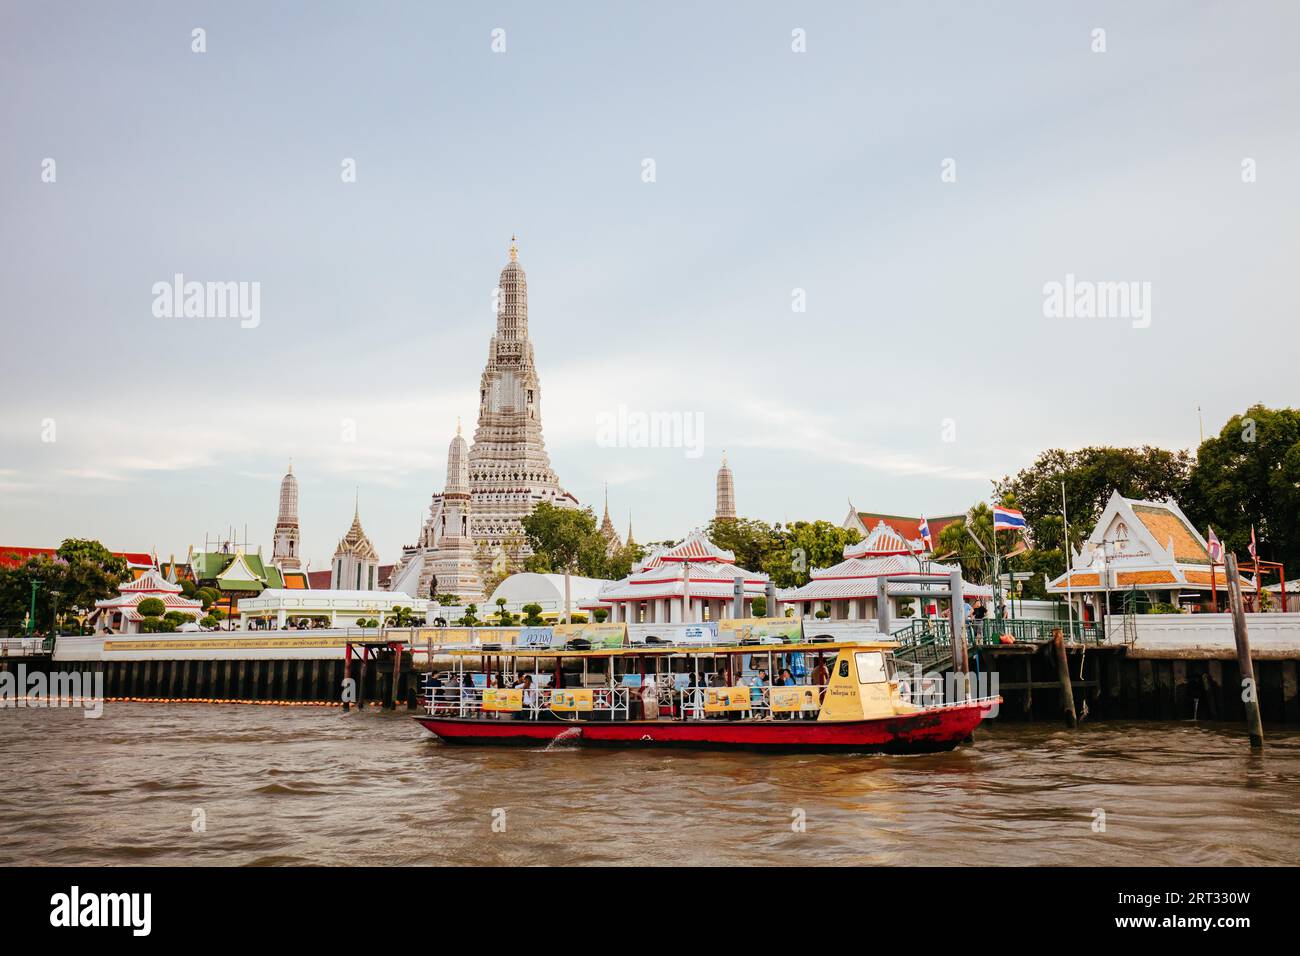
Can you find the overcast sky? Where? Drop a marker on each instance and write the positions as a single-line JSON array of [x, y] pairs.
[[922, 367]]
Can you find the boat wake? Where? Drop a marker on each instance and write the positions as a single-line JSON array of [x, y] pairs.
[[573, 733]]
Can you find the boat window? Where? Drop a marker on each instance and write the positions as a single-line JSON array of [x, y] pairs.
[[871, 667]]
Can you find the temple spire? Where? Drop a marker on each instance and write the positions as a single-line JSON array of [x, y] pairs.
[[514, 249]]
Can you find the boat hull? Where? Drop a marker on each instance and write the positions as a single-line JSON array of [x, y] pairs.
[[928, 731]]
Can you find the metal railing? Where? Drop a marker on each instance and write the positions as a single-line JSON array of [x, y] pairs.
[[938, 631]]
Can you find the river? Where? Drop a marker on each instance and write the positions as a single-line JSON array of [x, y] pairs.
[[247, 785]]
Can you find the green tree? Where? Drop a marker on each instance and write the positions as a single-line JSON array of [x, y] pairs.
[[759, 607], [752, 541], [1250, 474], [1091, 475], [533, 615], [564, 539], [599, 615], [805, 545]]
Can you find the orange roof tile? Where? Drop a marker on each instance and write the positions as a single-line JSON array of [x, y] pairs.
[[1165, 524]]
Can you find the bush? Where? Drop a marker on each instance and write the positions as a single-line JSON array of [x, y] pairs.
[[151, 607], [208, 621], [578, 618], [759, 607], [533, 615], [599, 615]]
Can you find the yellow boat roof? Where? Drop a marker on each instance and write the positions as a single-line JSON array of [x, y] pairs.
[[663, 650]]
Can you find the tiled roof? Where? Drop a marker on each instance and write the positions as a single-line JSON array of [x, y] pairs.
[[905, 527], [696, 547], [1165, 524], [12, 556]]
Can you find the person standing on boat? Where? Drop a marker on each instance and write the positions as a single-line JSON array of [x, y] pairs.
[[821, 676], [650, 698]]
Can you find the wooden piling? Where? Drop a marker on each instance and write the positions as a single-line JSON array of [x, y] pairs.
[[1063, 677], [1250, 689]]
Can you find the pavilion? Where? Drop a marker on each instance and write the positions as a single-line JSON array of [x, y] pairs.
[[1147, 549], [849, 591], [118, 615], [281, 608], [691, 582]]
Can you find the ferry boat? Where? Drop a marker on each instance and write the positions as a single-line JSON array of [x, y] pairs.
[[848, 697]]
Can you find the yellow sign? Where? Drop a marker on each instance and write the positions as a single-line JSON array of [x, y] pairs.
[[598, 635], [718, 699], [788, 700], [576, 699], [503, 698], [752, 628]]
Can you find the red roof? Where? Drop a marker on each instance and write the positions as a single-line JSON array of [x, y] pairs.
[[7, 559], [319, 580], [908, 528]]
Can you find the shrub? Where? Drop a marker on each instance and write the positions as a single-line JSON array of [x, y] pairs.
[[151, 607]]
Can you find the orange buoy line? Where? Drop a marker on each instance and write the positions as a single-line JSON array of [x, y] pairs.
[[221, 700]]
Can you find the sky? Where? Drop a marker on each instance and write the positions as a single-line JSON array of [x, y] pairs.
[[837, 272]]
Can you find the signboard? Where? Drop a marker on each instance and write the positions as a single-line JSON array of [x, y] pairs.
[[787, 629], [788, 700], [597, 635], [536, 637], [503, 698], [578, 699], [718, 699]]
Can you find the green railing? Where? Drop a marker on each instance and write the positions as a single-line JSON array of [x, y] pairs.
[[938, 630]]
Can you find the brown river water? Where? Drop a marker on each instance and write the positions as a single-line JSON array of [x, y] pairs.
[[179, 784]]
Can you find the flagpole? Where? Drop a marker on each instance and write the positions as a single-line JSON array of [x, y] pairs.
[[1069, 598], [1254, 547], [997, 597]]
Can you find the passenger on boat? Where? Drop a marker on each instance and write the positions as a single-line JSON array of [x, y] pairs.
[[821, 676]]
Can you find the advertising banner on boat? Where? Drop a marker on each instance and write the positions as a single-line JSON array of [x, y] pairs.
[[577, 699], [503, 698], [718, 699], [536, 636], [788, 700], [705, 632], [785, 629], [597, 635]]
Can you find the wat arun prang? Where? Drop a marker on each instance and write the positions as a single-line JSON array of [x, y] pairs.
[[509, 470]]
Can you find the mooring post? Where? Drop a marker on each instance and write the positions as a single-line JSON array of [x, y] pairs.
[[347, 672], [960, 659], [1063, 677], [397, 674], [361, 684], [1249, 689]]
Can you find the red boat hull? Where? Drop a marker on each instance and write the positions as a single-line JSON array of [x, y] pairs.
[[931, 730]]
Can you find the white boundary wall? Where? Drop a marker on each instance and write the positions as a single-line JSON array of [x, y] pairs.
[[1208, 635]]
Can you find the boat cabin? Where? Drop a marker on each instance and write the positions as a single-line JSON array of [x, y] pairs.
[[800, 682]]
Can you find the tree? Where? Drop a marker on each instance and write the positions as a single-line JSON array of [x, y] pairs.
[[803, 546], [471, 616], [504, 617], [1250, 474], [565, 539], [1091, 475], [599, 615], [92, 573], [208, 621], [752, 541], [533, 615], [759, 606]]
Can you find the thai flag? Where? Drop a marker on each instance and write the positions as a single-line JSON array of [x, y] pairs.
[[1215, 547], [1007, 519], [924, 529]]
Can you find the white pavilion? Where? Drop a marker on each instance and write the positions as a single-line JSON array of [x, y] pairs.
[[118, 615], [691, 582], [849, 590]]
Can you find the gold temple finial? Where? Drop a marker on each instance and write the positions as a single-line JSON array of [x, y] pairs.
[[514, 249]]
